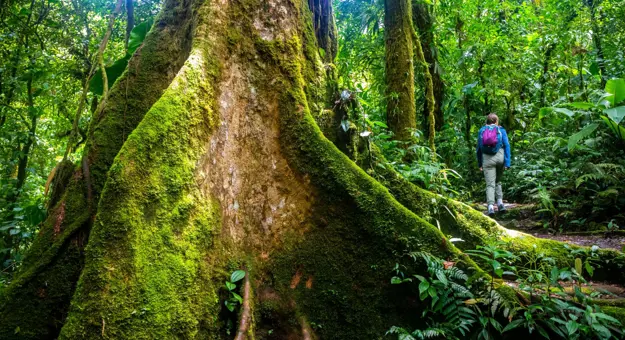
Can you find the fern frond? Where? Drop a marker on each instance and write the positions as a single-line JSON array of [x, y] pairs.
[[456, 274]]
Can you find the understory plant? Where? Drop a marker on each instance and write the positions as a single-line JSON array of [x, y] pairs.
[[553, 301]]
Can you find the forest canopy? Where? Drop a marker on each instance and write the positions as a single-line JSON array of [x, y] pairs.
[[287, 169]]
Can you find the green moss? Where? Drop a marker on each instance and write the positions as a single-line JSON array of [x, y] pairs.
[[46, 282], [474, 228], [36, 300], [616, 312], [146, 274], [358, 230], [399, 68]]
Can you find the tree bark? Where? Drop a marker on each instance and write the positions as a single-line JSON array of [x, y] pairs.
[[399, 72], [596, 38], [227, 168], [38, 298], [423, 19], [544, 76], [325, 28], [130, 20]]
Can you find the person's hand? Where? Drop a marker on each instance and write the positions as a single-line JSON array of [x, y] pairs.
[[481, 169]]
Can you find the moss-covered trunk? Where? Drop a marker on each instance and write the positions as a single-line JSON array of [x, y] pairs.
[[424, 22], [399, 72], [35, 305], [228, 170]]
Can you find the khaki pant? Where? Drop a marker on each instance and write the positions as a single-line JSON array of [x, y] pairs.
[[493, 173]]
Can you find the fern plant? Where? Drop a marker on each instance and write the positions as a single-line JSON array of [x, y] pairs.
[[450, 309]]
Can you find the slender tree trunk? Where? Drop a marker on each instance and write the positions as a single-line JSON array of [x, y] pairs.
[[226, 168], [423, 20], [596, 38], [130, 20], [465, 96], [580, 72], [429, 97], [480, 73], [325, 28], [399, 71], [545, 73], [25, 152]]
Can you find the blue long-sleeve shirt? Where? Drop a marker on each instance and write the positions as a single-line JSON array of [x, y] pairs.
[[503, 143]]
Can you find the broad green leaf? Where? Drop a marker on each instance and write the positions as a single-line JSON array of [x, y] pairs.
[[607, 317], [542, 332], [467, 89], [594, 68], [554, 274], [432, 291], [237, 275], [421, 278], [603, 331], [618, 130], [582, 105], [237, 296], [512, 325], [565, 275], [423, 287], [544, 112], [583, 133], [24, 12], [230, 285], [590, 269], [565, 111], [616, 89], [572, 327], [616, 113], [137, 36], [441, 277], [113, 72], [578, 265], [495, 324]]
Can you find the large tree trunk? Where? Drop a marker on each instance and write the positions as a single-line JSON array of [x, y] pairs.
[[399, 72], [228, 169]]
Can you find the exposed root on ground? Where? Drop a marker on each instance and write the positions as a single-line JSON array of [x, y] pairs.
[[245, 319]]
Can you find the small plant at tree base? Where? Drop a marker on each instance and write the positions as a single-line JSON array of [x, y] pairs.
[[235, 299], [552, 311], [453, 312], [450, 310]]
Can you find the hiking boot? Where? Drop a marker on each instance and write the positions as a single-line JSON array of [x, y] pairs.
[[501, 207], [491, 210]]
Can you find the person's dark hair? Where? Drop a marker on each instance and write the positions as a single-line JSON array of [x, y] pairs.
[[492, 119]]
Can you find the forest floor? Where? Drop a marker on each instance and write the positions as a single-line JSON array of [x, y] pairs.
[[523, 217]]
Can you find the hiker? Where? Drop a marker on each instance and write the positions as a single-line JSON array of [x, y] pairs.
[[493, 156]]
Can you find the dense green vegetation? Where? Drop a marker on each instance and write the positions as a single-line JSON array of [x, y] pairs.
[[551, 70], [370, 110], [49, 53]]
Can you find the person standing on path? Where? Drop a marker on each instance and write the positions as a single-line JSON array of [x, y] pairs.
[[493, 156]]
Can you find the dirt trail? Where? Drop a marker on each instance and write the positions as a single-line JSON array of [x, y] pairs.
[[522, 217]]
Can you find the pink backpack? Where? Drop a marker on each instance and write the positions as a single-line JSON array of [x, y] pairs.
[[490, 136]]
